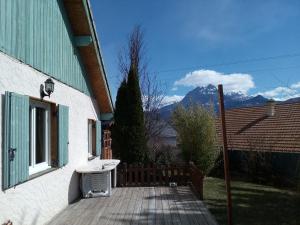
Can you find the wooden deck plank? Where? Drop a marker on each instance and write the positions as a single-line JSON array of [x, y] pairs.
[[198, 211], [100, 208], [152, 209], [111, 207], [159, 219], [206, 215], [139, 205], [86, 211], [184, 213], [126, 207], [116, 214], [173, 207], [165, 206], [187, 201], [143, 217]]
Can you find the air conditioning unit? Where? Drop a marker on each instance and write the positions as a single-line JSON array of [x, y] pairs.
[[95, 184]]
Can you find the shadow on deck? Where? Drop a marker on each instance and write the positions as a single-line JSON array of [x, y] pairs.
[[138, 205]]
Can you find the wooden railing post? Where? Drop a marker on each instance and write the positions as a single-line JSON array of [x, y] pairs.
[[160, 181], [124, 174], [136, 174], [142, 172], [148, 174], [197, 179], [129, 172]]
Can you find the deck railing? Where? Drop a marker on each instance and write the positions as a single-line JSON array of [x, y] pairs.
[[138, 175]]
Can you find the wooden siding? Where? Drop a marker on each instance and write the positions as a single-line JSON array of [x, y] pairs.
[[39, 34]]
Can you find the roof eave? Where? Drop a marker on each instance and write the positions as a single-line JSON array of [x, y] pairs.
[[83, 27], [97, 47]]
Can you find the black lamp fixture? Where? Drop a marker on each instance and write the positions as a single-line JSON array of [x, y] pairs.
[[49, 88]]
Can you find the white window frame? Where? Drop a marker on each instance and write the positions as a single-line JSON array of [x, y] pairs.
[[35, 168], [90, 138]]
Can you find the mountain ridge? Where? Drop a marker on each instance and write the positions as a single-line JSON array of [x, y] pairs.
[[209, 95]]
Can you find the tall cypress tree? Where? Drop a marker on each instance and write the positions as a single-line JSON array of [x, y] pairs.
[[136, 140], [120, 127], [129, 141]]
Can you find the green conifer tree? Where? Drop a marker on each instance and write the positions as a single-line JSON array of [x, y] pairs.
[[120, 127], [136, 140]]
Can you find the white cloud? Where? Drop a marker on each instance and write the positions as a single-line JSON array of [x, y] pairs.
[[295, 86], [283, 93], [234, 82], [172, 99]]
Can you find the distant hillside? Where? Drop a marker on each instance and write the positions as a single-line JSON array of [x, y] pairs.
[[209, 94], [292, 100]]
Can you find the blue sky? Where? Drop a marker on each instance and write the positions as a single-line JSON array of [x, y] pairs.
[[193, 42]]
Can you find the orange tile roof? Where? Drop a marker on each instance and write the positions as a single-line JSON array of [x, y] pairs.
[[250, 128]]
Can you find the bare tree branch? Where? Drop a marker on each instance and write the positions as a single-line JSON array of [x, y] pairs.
[[153, 92]]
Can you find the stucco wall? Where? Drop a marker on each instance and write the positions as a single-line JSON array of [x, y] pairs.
[[39, 199]]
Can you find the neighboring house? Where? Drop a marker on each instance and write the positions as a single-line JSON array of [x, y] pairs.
[[265, 141], [43, 141], [168, 136], [167, 141], [272, 128]]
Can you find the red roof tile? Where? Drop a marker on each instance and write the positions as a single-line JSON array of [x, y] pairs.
[[250, 128]]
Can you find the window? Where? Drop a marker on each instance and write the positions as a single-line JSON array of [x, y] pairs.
[[94, 138], [39, 126], [91, 138], [36, 137]]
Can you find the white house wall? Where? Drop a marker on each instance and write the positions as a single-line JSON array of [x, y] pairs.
[[38, 200]]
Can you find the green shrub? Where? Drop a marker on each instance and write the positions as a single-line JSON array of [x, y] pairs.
[[196, 132]]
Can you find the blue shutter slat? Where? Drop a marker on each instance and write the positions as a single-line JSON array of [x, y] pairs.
[[98, 138], [16, 136], [63, 135]]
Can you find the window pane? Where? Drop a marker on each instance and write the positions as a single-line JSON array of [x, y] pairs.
[[30, 135], [40, 136], [90, 128]]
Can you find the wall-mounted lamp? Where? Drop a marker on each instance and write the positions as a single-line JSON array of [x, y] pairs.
[[49, 88]]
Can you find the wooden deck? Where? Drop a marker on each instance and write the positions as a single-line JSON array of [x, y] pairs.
[[138, 205]]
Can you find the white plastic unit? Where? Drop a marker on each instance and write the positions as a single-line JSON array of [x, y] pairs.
[[96, 177], [96, 184]]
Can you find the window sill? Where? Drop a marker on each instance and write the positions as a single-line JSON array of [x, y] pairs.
[[35, 175], [91, 157]]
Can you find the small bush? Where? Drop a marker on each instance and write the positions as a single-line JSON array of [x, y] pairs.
[[195, 127]]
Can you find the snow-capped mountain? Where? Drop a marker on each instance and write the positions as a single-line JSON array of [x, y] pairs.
[[209, 95]]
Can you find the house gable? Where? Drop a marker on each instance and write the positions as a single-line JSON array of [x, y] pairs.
[[58, 38], [38, 33]]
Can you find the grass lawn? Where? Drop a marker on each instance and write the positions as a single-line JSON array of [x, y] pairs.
[[253, 204]]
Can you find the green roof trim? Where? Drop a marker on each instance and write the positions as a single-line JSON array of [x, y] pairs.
[[106, 116], [83, 41]]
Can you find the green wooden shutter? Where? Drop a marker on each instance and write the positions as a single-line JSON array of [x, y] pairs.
[[63, 135], [98, 138], [16, 139]]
